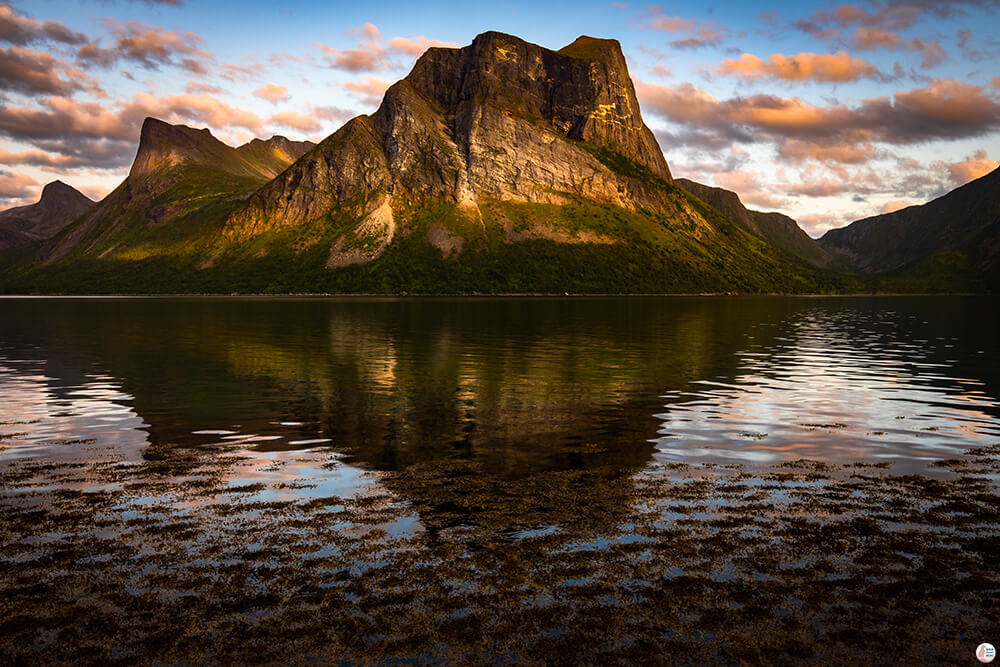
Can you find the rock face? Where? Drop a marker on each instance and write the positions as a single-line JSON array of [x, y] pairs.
[[964, 221], [499, 119], [176, 169], [779, 230], [58, 206]]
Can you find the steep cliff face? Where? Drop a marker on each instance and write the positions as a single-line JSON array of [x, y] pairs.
[[58, 206], [500, 119], [177, 171], [779, 230]]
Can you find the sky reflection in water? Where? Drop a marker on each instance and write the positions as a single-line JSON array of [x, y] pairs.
[[516, 385]]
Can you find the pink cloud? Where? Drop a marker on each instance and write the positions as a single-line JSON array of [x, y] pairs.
[[969, 169], [148, 45], [20, 29], [38, 72], [371, 89], [273, 93], [894, 205], [415, 46], [838, 67], [296, 121], [17, 186]]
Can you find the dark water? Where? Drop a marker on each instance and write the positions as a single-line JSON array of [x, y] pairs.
[[617, 480], [517, 384]]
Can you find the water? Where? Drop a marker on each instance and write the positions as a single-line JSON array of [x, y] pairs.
[[518, 384], [498, 479]]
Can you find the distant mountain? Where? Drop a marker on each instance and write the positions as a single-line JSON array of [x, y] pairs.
[[952, 242], [779, 230], [58, 206], [498, 167], [178, 173]]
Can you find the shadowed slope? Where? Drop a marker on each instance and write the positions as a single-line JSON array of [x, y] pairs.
[[58, 206]]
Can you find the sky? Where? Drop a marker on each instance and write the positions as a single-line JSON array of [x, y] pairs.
[[827, 112]]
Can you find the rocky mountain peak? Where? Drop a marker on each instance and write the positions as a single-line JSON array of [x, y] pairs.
[[583, 91], [162, 144], [58, 194]]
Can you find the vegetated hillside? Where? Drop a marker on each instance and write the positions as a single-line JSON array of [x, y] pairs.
[[779, 230], [498, 167], [58, 206], [949, 244]]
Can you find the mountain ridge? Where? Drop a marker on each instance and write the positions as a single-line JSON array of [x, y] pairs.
[[777, 228], [960, 229], [498, 167]]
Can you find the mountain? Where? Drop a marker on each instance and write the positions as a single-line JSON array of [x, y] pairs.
[[58, 206], [952, 242], [779, 230], [501, 166], [179, 174]]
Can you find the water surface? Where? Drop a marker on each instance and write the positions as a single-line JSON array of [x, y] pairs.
[[717, 479]]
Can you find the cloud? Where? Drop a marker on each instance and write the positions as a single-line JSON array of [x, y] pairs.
[[370, 89], [815, 224], [333, 113], [871, 39], [296, 121], [16, 186], [76, 134], [869, 31], [37, 72], [894, 205], [800, 149], [68, 119], [415, 46], [661, 71], [895, 17], [237, 72], [273, 93], [838, 68], [147, 45], [703, 33], [366, 58], [369, 55], [368, 31], [946, 109], [75, 152], [745, 184], [23, 30], [667, 23], [109, 156], [201, 87], [969, 169]]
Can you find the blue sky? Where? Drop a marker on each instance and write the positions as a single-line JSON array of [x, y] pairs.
[[827, 112]]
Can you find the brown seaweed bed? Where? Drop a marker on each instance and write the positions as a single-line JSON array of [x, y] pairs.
[[164, 560]]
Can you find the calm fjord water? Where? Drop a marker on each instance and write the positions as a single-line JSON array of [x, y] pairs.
[[516, 384]]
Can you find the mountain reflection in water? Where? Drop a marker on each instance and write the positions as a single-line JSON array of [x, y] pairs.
[[382, 477]]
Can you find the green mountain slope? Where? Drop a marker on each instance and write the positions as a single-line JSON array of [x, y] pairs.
[[779, 230]]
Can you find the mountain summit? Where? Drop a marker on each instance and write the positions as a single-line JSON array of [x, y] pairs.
[[501, 166], [500, 119], [58, 206]]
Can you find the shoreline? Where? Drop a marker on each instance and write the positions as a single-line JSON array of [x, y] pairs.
[[475, 295]]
